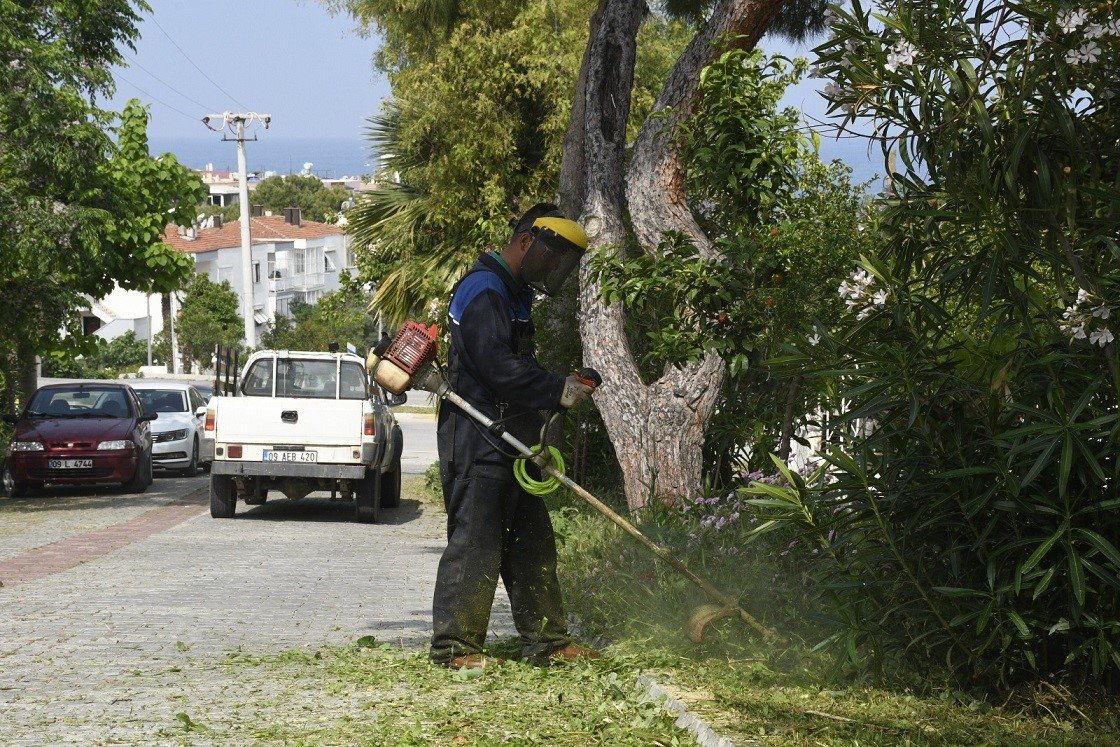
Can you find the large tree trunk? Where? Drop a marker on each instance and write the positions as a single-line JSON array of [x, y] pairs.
[[657, 429], [591, 187]]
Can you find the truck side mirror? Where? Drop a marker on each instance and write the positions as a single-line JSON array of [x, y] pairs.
[[395, 400]]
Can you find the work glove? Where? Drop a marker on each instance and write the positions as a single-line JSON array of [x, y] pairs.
[[579, 386]]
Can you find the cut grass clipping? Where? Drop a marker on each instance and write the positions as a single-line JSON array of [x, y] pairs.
[[401, 698]]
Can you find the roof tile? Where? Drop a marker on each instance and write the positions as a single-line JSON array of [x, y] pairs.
[[263, 229]]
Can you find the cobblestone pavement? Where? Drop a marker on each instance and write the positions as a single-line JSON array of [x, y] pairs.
[[108, 651]]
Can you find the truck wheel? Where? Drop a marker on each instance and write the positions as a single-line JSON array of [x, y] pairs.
[[391, 486], [367, 497], [142, 478], [223, 497]]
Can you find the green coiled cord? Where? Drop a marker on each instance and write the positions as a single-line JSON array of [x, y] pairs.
[[539, 487]]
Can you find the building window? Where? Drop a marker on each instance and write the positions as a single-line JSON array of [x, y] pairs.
[[256, 272], [298, 262]]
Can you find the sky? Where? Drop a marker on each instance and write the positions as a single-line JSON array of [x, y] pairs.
[[287, 58], [310, 71]]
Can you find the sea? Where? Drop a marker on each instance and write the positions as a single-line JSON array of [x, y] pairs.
[[335, 158], [327, 158]]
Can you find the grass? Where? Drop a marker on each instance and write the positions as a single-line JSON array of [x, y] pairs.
[[781, 695], [787, 693], [397, 697], [748, 700], [415, 409]]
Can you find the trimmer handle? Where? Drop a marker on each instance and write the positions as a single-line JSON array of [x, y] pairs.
[[589, 376]]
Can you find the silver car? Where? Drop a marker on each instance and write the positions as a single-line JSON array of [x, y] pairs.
[[177, 432]]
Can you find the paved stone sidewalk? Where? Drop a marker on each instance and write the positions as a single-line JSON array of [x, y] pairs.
[[57, 513], [110, 650]]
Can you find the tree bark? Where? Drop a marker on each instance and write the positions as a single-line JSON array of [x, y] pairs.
[[27, 364], [591, 186], [658, 429], [787, 418], [655, 182]]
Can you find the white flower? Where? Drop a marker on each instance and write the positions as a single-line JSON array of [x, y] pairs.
[[865, 312], [1113, 27], [1082, 297], [815, 72], [1086, 53], [814, 338], [880, 297], [1094, 31], [1100, 337], [831, 91], [831, 17], [1070, 20], [1078, 332], [902, 53], [1102, 312]]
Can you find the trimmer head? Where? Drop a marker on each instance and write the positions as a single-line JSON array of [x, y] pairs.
[[705, 615]]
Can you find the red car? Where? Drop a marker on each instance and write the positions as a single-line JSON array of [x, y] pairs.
[[78, 434]]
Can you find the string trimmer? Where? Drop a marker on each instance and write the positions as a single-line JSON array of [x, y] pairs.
[[408, 362]]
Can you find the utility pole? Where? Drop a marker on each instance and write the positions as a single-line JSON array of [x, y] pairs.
[[148, 308], [236, 122]]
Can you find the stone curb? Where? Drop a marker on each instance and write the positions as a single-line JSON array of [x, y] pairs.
[[704, 734]]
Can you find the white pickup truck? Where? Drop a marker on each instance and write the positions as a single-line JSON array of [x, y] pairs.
[[302, 422]]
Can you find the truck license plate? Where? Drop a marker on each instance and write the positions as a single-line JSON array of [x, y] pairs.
[[291, 456], [69, 464]]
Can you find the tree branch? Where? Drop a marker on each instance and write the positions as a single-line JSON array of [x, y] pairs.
[[655, 182]]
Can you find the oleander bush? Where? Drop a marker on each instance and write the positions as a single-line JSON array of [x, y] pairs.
[[967, 510]]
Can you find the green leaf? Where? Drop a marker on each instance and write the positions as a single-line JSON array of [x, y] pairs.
[[1040, 551], [1019, 623], [1105, 547], [1076, 575]]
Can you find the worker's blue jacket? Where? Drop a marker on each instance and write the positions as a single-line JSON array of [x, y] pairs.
[[492, 361]]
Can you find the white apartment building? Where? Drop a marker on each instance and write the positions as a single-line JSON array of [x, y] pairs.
[[292, 259]]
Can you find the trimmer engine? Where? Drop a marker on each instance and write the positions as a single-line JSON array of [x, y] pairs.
[[407, 358]]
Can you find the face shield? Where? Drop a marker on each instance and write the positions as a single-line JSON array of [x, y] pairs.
[[558, 245], [548, 263]]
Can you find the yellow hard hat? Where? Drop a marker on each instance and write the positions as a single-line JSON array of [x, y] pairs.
[[568, 230]]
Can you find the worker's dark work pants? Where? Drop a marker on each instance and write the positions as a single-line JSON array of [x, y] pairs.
[[493, 528]]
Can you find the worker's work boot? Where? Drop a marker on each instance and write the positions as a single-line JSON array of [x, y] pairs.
[[474, 661], [571, 652]]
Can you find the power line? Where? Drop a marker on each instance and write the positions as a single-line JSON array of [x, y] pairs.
[[196, 67], [191, 117], [158, 79]]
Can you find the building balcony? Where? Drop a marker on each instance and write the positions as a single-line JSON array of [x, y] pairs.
[[302, 282]]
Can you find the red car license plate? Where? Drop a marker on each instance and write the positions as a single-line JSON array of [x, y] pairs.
[[70, 464]]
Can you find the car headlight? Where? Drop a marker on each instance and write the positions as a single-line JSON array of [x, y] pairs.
[[26, 446], [175, 435], [111, 445]]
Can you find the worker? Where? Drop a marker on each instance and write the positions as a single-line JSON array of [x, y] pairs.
[[494, 527]]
